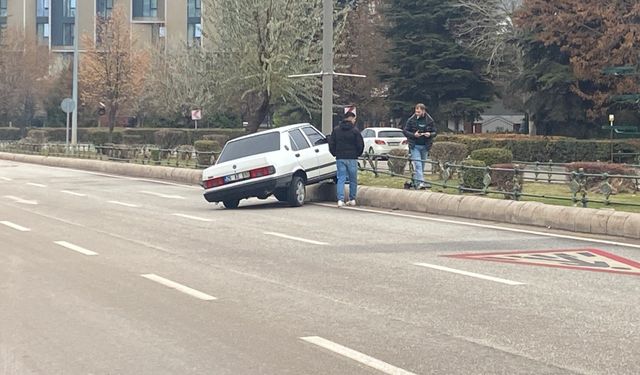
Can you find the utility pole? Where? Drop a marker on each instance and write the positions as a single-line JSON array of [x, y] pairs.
[[74, 119]]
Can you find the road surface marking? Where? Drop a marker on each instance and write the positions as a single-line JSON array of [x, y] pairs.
[[356, 356], [76, 248], [487, 226], [465, 273], [20, 200], [5, 179], [192, 217], [73, 193], [162, 195], [179, 287], [15, 226], [124, 204], [36, 185], [296, 238]]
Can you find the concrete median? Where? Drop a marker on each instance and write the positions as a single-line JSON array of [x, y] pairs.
[[575, 219]]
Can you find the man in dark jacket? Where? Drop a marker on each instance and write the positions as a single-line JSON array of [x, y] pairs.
[[346, 144], [420, 131]]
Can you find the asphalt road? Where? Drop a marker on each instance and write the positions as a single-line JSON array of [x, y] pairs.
[[108, 275]]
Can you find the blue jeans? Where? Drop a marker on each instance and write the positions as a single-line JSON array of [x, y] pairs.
[[347, 168], [418, 154]]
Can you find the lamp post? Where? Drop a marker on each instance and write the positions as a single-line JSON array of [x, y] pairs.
[[74, 118], [612, 118]]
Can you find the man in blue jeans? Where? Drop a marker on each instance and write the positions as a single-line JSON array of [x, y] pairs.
[[346, 144], [420, 131]]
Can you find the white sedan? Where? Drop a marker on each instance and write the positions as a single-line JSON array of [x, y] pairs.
[[380, 141]]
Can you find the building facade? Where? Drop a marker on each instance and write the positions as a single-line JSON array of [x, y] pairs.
[[160, 23]]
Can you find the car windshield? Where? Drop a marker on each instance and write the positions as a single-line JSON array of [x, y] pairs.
[[258, 144], [391, 134]]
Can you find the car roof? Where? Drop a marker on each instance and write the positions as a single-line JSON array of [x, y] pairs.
[[281, 130], [385, 129]]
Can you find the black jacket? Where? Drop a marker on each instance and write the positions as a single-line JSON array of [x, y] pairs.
[[425, 124], [346, 141]]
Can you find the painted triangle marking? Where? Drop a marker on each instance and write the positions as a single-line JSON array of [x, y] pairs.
[[577, 259]]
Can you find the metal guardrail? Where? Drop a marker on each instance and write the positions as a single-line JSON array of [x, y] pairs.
[[581, 184]]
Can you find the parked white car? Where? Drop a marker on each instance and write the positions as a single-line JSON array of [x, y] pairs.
[[279, 162], [378, 142]]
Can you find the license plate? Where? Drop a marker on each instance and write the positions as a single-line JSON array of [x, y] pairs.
[[236, 177], [394, 143]]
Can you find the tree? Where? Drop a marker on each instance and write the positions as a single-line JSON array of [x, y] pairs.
[[111, 70], [258, 44], [428, 65]]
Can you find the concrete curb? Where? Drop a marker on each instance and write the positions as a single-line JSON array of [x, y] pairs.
[[575, 219]]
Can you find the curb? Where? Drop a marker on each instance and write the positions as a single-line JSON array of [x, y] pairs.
[[574, 219]]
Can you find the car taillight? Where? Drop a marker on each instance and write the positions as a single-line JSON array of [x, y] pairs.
[[214, 182], [380, 142], [405, 142], [261, 172]]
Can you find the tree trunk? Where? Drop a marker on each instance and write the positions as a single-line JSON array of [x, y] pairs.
[[113, 113], [257, 116]]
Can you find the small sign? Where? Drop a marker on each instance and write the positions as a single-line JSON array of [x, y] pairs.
[[196, 114], [577, 259], [68, 105]]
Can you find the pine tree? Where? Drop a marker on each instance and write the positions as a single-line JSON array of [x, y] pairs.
[[428, 65]]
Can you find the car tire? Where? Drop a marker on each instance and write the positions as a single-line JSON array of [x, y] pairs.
[[231, 203], [281, 195], [297, 192]]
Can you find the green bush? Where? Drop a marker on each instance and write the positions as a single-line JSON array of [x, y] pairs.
[[100, 136], [147, 136], [398, 159], [9, 134], [205, 152], [129, 139], [220, 139], [169, 139], [448, 152], [37, 136], [502, 176], [473, 178], [491, 156]]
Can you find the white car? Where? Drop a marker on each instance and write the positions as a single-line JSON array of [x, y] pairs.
[[279, 162], [380, 141]]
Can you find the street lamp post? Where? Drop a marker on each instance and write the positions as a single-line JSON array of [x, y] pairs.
[[611, 120], [74, 119]]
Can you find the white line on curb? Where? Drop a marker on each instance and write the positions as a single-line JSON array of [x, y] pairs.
[[162, 195], [465, 273], [20, 200], [487, 226], [124, 204], [73, 193], [296, 238], [76, 248], [356, 356], [179, 287], [36, 185], [15, 226], [192, 217]]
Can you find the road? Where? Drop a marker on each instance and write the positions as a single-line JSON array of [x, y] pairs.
[[102, 274]]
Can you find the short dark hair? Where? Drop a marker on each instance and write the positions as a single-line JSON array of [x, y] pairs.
[[421, 106]]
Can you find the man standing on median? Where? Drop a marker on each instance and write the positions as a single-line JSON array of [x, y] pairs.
[[420, 131], [346, 144]]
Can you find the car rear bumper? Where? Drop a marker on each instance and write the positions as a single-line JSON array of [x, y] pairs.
[[247, 190]]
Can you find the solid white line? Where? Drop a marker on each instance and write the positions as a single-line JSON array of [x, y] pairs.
[[296, 238], [36, 185], [20, 200], [356, 356], [465, 273], [179, 287], [192, 217], [487, 226], [162, 195], [77, 248], [124, 204], [73, 193], [15, 226], [5, 179]]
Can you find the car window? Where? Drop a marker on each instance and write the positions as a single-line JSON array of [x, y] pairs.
[[314, 136], [258, 144], [299, 140], [367, 133], [391, 134]]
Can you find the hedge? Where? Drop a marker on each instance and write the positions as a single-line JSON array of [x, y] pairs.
[[9, 134], [491, 156], [473, 178]]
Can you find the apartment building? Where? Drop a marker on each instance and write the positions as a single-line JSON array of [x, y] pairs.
[[161, 23]]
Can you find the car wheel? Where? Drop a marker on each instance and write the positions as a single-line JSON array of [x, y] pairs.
[[281, 194], [231, 203], [297, 192]]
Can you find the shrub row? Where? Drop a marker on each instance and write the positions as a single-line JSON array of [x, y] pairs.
[[9, 134]]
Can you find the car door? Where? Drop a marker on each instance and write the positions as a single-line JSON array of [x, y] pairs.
[[304, 153], [326, 162]]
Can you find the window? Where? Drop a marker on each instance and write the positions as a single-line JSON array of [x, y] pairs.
[[194, 22], [194, 34], [194, 9], [67, 34], [3, 8], [367, 133], [104, 8], [42, 21], [42, 8], [145, 8], [314, 136], [391, 134], [69, 8], [254, 145], [299, 141], [42, 30]]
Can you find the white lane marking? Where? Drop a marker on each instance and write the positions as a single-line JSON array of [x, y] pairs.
[[162, 195], [124, 204], [20, 200], [36, 185], [73, 193], [5, 179], [296, 238], [179, 287], [192, 217], [15, 226], [465, 273], [76, 248], [356, 356], [487, 226]]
